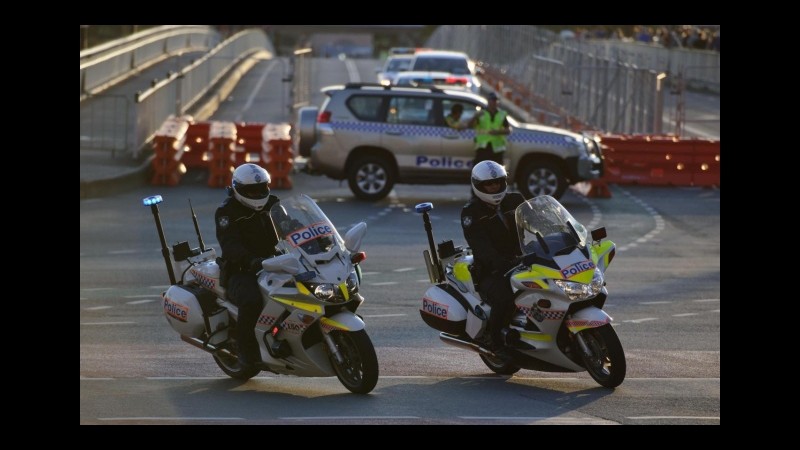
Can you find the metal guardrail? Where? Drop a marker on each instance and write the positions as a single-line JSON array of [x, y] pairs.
[[106, 64], [182, 90], [123, 126], [612, 85]]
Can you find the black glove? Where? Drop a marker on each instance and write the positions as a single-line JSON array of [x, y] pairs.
[[255, 264]]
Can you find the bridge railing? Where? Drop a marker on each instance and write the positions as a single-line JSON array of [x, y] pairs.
[[182, 90], [104, 65]]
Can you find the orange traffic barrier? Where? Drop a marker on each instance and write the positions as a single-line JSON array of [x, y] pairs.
[[196, 155], [277, 148], [249, 144], [222, 160], [661, 160], [168, 145]]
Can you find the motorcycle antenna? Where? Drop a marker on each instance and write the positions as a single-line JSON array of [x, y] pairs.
[[197, 228]]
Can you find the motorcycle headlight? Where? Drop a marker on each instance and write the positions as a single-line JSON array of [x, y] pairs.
[[328, 292], [581, 291], [323, 291], [352, 283]]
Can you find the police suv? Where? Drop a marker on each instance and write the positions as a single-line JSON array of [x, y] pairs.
[[375, 136]]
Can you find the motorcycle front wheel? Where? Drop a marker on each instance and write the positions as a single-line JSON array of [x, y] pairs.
[[358, 371], [606, 361]]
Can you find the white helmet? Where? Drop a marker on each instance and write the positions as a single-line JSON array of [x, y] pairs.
[[485, 175], [251, 185]]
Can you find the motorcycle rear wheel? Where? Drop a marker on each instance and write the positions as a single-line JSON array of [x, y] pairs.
[[229, 361], [606, 364], [500, 365], [358, 371]]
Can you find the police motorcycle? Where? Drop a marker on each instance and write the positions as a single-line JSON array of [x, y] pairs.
[[308, 326], [559, 291]]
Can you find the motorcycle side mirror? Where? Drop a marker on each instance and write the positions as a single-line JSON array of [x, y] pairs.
[[282, 263], [599, 233], [354, 236]]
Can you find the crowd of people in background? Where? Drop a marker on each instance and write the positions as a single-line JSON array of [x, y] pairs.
[[699, 37]]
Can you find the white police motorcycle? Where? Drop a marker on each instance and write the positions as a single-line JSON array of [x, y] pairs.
[[559, 291], [308, 326]]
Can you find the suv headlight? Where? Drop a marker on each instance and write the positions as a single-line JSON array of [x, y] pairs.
[[581, 291]]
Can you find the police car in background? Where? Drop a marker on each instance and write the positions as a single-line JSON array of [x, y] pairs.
[[375, 136], [392, 67]]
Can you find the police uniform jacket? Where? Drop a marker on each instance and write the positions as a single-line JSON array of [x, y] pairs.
[[494, 246], [244, 234]]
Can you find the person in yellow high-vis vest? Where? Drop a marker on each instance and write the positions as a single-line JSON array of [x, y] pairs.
[[491, 128]]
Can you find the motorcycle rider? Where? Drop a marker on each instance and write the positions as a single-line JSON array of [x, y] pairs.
[[489, 227], [247, 236]]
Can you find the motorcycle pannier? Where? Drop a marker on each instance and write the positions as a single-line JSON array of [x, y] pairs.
[[440, 310]]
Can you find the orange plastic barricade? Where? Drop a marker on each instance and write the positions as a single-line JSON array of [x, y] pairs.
[[222, 160], [168, 145], [661, 160], [249, 144], [196, 155], [277, 152]]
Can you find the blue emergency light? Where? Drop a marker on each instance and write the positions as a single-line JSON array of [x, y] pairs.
[[152, 200]]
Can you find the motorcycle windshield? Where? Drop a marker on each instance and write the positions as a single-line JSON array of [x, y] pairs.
[[558, 232], [302, 224]]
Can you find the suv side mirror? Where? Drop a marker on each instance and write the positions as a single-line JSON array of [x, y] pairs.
[[599, 233]]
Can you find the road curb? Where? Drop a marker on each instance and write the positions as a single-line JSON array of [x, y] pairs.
[[113, 185]]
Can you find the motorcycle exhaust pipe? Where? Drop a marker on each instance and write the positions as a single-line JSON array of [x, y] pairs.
[[207, 347], [456, 342]]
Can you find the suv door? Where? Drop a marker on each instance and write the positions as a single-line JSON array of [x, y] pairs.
[[457, 146], [411, 134]]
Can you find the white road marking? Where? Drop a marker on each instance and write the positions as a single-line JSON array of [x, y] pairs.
[[95, 289], [646, 319], [139, 302], [715, 310], [597, 216], [384, 315], [673, 417], [385, 283], [348, 417], [684, 315], [424, 281], [121, 252], [704, 300], [170, 418], [659, 222], [108, 323], [158, 287], [253, 94], [403, 269], [655, 303], [188, 378], [352, 71], [370, 273], [97, 308], [554, 420], [141, 296]]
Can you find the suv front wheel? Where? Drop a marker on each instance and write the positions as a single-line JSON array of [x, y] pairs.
[[370, 177], [541, 178]]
